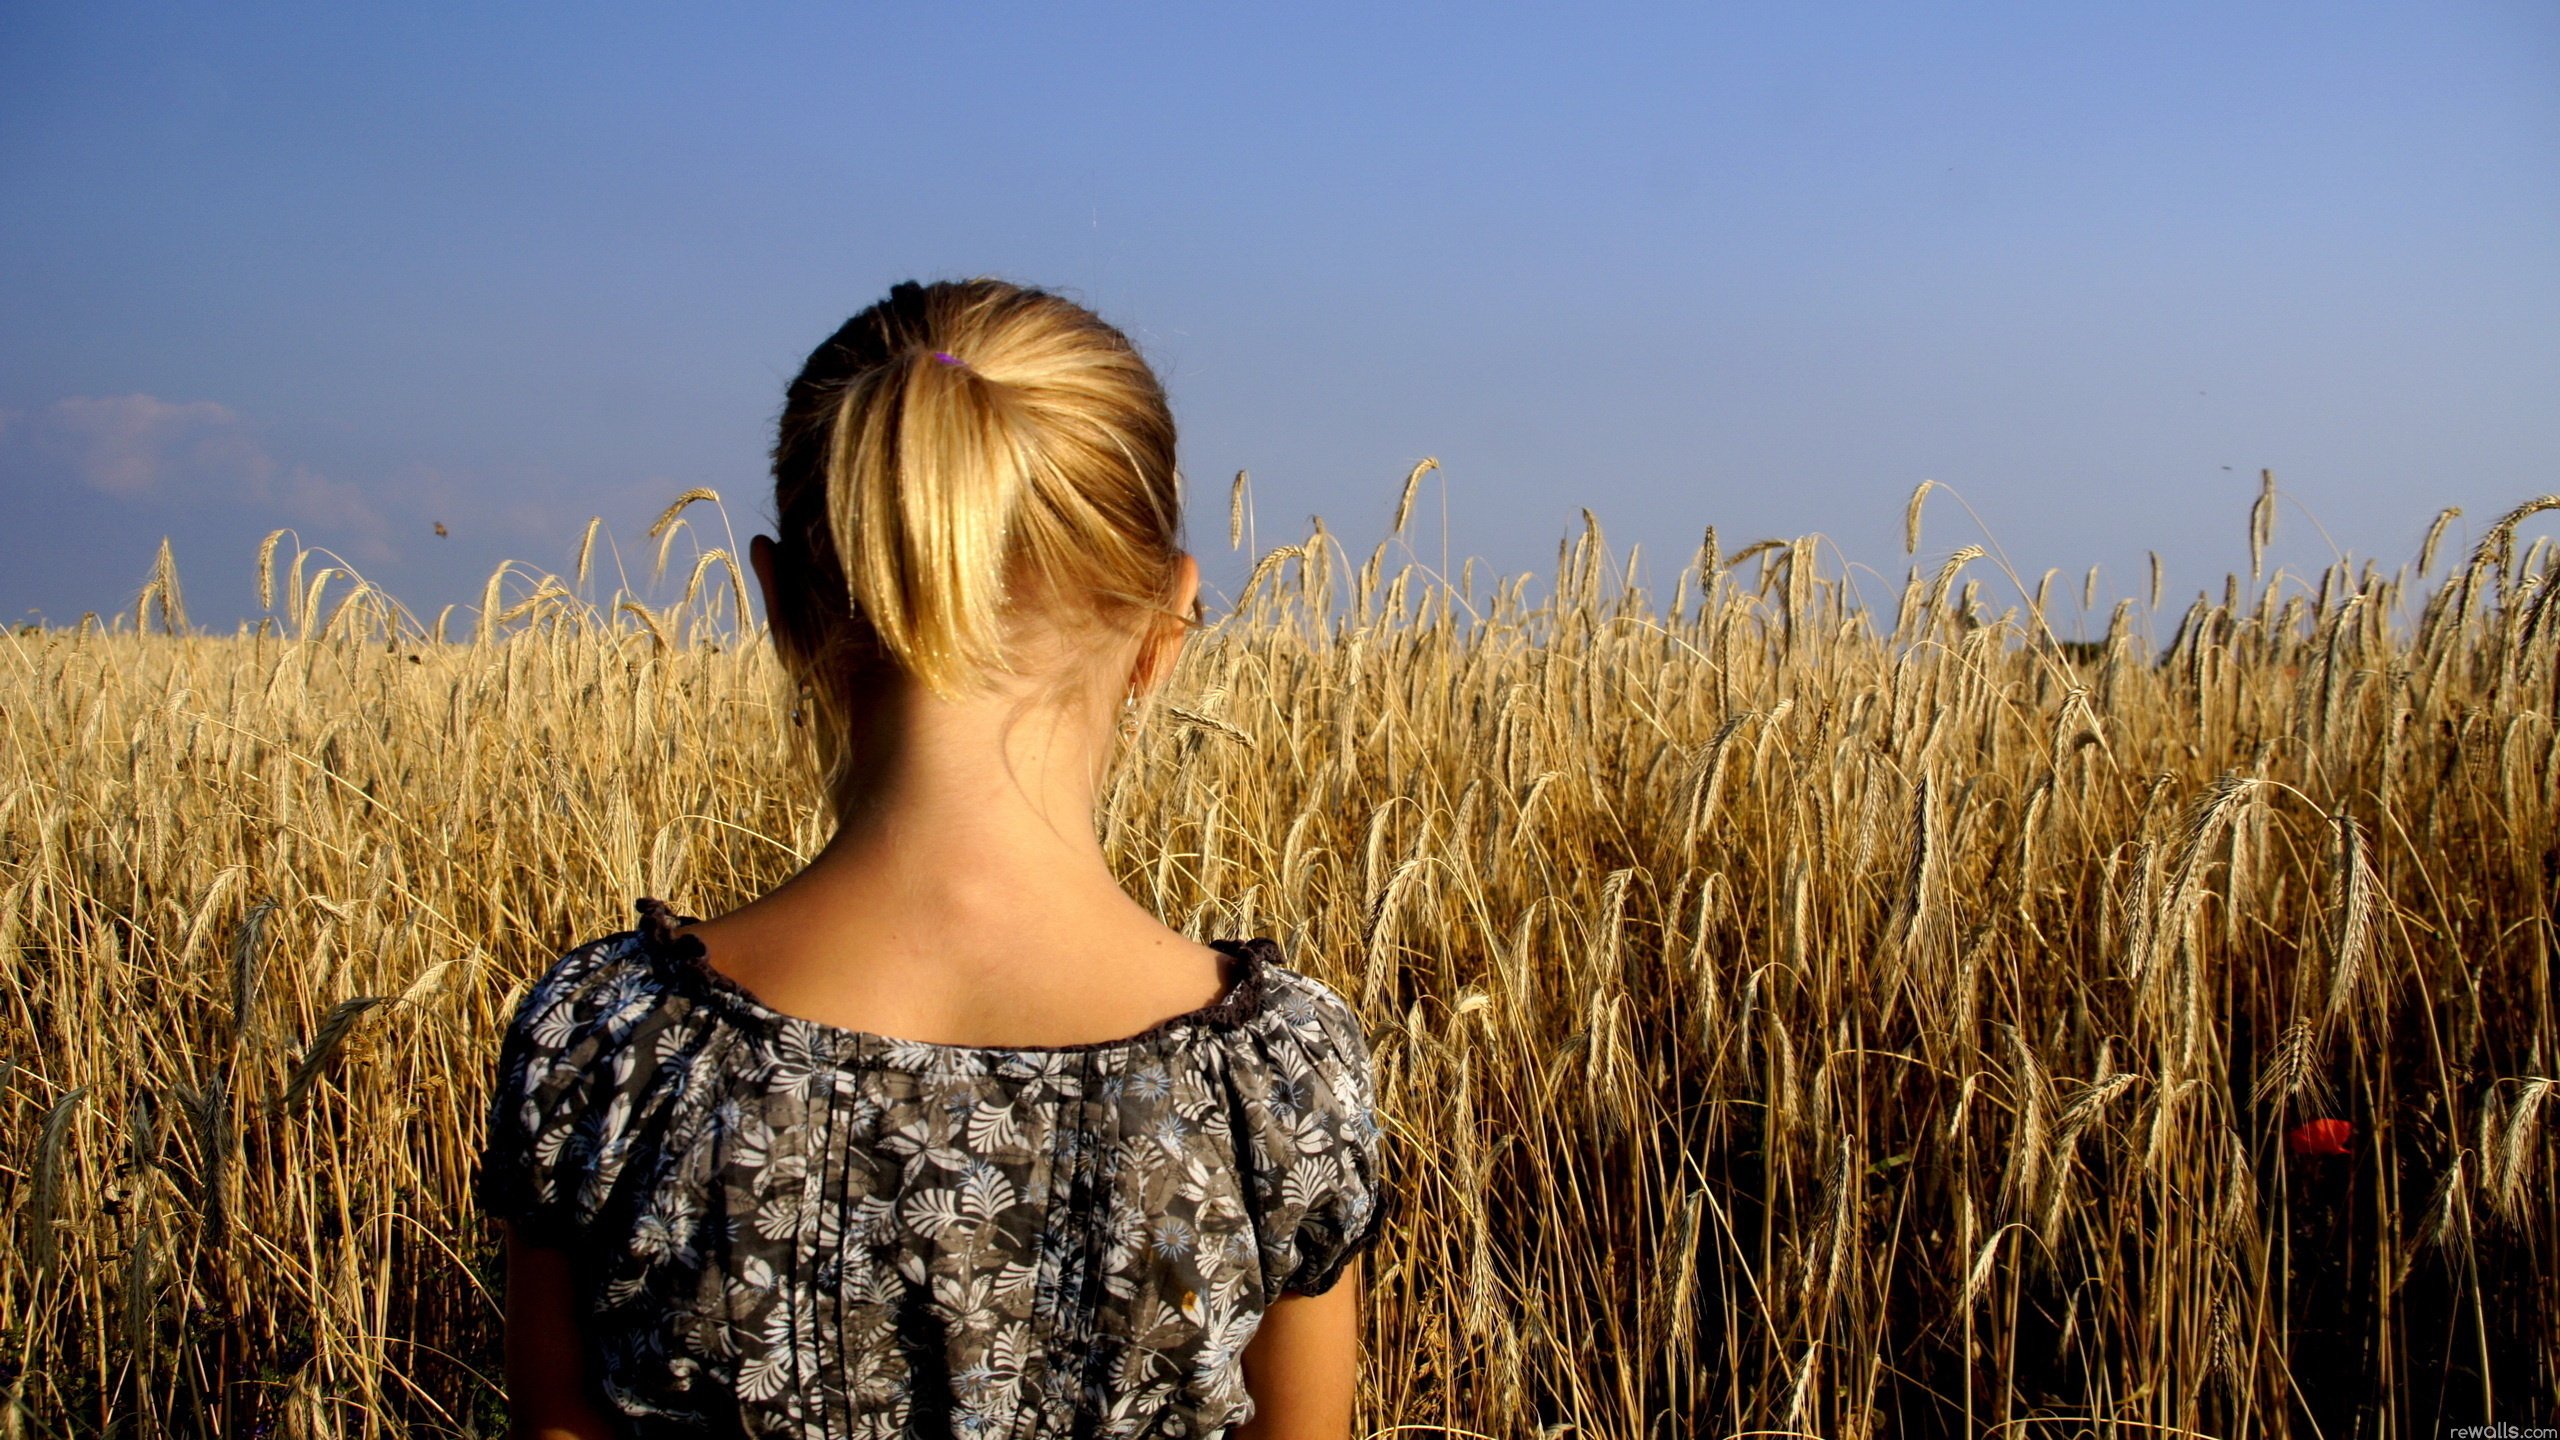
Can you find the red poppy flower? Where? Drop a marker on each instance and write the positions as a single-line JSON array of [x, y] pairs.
[[2321, 1137]]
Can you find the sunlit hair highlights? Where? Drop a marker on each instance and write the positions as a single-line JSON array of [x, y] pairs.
[[958, 458]]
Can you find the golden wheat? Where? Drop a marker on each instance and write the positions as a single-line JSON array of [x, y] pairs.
[[1785, 1025]]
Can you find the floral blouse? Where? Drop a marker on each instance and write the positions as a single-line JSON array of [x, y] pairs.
[[782, 1228]]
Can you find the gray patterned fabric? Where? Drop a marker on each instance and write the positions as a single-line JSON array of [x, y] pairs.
[[781, 1228]]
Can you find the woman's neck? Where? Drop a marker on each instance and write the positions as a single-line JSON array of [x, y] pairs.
[[965, 897], [963, 811]]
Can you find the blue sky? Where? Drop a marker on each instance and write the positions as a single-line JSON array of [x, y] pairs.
[[362, 271]]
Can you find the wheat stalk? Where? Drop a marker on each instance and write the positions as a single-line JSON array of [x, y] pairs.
[[1777, 1013]]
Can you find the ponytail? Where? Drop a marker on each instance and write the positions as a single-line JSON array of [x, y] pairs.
[[923, 479]]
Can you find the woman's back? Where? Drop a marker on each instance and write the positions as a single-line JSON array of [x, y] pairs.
[[790, 1228]]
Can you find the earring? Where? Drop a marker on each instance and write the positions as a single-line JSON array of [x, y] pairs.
[[800, 704]]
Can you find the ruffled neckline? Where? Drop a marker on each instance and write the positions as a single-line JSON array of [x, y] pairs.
[[1241, 1001]]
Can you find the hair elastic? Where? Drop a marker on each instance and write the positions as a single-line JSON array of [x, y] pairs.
[[946, 357]]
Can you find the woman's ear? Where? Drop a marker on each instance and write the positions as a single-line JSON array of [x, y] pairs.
[[1186, 587], [760, 557], [1165, 635]]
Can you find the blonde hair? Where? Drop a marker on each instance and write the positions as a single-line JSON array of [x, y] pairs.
[[954, 456]]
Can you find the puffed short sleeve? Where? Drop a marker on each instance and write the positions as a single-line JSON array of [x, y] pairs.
[[1318, 1168], [543, 1109]]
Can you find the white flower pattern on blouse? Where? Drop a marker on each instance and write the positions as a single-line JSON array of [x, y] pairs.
[[780, 1228]]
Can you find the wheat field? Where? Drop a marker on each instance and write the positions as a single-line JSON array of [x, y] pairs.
[[1794, 1018]]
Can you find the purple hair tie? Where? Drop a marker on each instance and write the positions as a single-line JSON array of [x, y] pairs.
[[946, 357]]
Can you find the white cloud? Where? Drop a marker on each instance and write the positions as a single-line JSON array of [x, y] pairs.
[[131, 444], [335, 506], [137, 446]]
